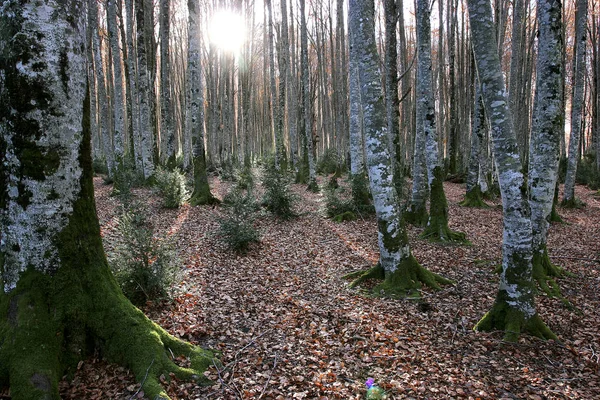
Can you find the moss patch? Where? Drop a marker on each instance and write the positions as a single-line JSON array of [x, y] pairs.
[[405, 281], [572, 203], [416, 215], [201, 194], [343, 217], [474, 198], [544, 271], [512, 321]]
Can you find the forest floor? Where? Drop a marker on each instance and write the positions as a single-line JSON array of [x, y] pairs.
[[288, 327]]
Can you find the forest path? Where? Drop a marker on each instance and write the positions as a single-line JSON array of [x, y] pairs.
[[288, 327]]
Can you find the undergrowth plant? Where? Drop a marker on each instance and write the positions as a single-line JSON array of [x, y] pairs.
[[125, 178], [237, 226], [144, 266], [171, 187], [278, 197]]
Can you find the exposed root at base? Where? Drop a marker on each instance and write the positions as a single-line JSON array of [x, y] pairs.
[[512, 322], [440, 233]]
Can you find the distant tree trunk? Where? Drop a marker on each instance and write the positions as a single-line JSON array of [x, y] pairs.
[[545, 140], [59, 302], [306, 95], [357, 166], [577, 101], [166, 102], [437, 225], [292, 97], [284, 49], [144, 87], [392, 103], [417, 210], [133, 98], [474, 195], [118, 103], [401, 272], [107, 146], [514, 308], [195, 112], [275, 106]]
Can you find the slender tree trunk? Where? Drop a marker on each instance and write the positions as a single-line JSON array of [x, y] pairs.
[[577, 103], [118, 100], [306, 95], [545, 140], [474, 195], [400, 269], [514, 308], [437, 225], [167, 132]]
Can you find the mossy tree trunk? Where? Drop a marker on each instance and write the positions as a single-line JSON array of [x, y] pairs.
[[59, 300], [514, 308], [437, 226], [474, 194], [195, 113], [545, 140], [402, 272]]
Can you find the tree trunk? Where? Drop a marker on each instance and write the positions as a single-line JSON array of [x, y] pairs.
[[474, 195], [437, 225], [167, 132], [577, 102], [118, 103], [58, 297], [403, 274], [514, 308], [306, 95], [195, 125], [545, 140]]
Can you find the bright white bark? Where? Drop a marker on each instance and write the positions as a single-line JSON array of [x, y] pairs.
[[35, 203], [516, 285], [547, 121], [393, 243], [308, 106]]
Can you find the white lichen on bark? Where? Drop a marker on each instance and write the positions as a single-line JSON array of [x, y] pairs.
[[516, 285], [547, 121], [37, 208], [393, 244]]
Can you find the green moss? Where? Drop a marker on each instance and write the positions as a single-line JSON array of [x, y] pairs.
[[512, 321], [346, 216], [474, 198], [201, 194], [416, 216], [437, 229], [544, 270], [572, 203], [57, 319], [405, 281]]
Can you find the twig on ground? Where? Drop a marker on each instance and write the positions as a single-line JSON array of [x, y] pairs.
[[270, 376]]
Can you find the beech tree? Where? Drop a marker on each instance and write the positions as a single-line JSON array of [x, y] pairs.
[[58, 298], [545, 139], [437, 225], [195, 107], [514, 308], [401, 272]]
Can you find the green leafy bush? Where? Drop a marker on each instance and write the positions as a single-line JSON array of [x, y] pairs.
[[587, 173], [171, 186], [278, 197], [244, 178], [145, 267], [237, 227], [99, 166]]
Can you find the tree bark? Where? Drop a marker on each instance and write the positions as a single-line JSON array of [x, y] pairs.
[[403, 275], [58, 299], [514, 308]]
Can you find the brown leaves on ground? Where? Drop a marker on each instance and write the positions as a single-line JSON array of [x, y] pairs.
[[288, 327]]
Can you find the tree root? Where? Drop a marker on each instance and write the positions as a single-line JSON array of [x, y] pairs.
[[513, 322], [474, 198], [200, 199], [544, 271], [405, 281], [572, 203], [439, 232]]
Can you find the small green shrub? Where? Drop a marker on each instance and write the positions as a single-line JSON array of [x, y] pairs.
[[335, 203], [99, 166], [171, 186], [278, 197], [237, 227], [244, 178], [587, 173], [361, 195], [145, 267], [124, 179], [328, 163]]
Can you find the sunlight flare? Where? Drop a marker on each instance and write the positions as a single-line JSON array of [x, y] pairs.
[[227, 31]]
